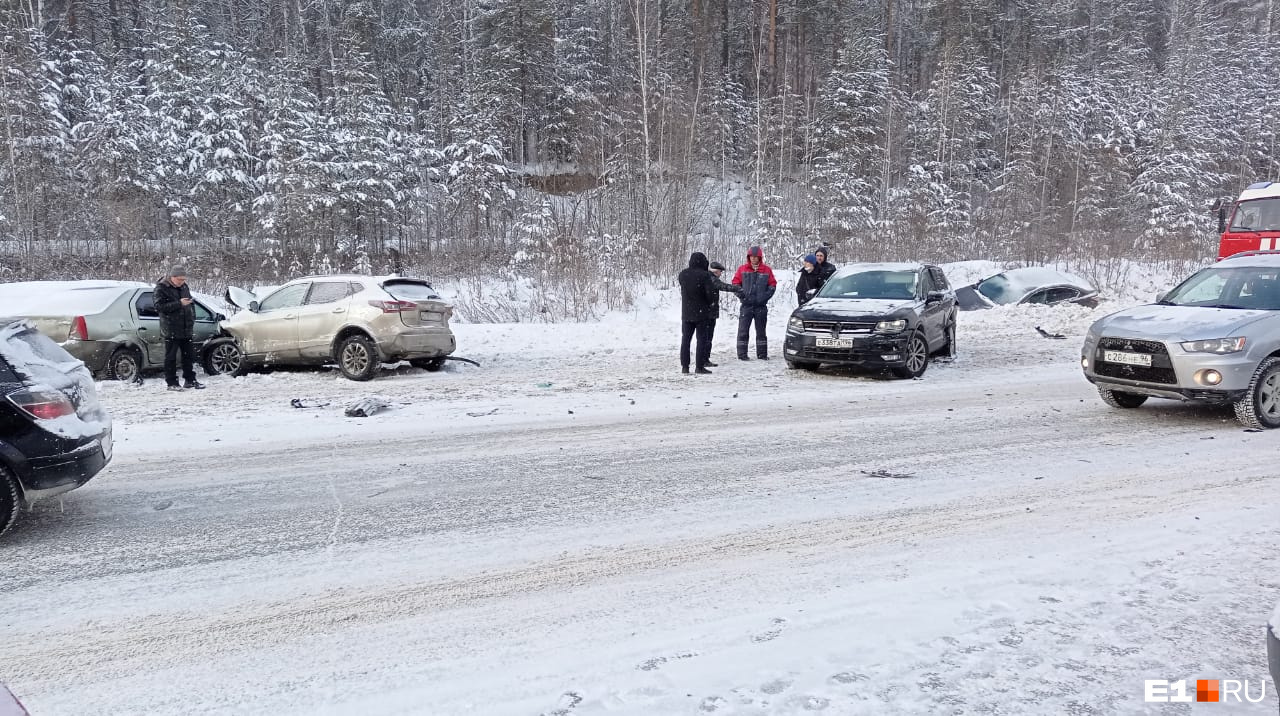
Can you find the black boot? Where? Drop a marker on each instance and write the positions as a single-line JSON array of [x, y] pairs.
[[702, 371], [684, 369], [712, 365]]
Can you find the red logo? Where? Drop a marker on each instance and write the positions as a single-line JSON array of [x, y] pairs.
[[1207, 690]]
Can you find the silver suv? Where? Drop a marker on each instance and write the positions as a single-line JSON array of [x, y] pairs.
[[1213, 339], [358, 322]]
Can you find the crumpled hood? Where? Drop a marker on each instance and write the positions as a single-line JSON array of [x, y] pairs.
[[1181, 323]]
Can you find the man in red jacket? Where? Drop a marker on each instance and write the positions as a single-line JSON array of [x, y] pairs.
[[758, 285]]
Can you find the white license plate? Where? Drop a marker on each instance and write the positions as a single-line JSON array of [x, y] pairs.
[[1126, 358], [835, 342]]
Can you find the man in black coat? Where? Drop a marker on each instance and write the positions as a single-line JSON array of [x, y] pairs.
[[717, 269], [177, 325], [697, 295], [824, 268], [810, 280]]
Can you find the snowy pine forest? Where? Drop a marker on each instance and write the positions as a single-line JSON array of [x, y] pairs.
[[583, 147]]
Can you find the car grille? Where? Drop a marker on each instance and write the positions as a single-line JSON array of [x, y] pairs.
[[843, 327], [1161, 368]]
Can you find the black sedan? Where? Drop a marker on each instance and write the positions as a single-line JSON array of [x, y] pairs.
[[54, 435], [891, 316]]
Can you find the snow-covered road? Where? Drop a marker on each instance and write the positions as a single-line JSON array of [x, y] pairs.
[[587, 532]]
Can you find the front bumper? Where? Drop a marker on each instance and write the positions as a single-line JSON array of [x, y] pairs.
[[45, 477], [1174, 373], [875, 350]]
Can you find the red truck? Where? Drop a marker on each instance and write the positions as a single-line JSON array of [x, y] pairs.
[[1252, 223]]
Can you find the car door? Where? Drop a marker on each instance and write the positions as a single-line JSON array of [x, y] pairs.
[[206, 327], [321, 316], [272, 330], [933, 315], [148, 327]]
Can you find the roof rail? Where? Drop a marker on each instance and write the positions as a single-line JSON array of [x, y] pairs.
[[1255, 252]]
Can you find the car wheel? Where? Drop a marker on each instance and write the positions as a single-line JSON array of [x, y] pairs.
[[431, 365], [1121, 399], [917, 358], [9, 502], [125, 364], [222, 356], [358, 357], [1260, 407]]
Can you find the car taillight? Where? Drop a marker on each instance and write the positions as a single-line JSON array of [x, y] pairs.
[[42, 403], [79, 330], [394, 306]]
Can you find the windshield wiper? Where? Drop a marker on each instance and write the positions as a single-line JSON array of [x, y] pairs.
[[1166, 303], [1222, 305], [1237, 229]]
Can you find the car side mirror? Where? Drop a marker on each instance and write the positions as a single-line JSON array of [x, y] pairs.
[[219, 317], [935, 297], [253, 306], [1160, 296]]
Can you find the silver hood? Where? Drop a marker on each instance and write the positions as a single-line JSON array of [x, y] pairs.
[[1177, 323]]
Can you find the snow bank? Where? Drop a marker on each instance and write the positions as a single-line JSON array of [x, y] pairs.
[[60, 298], [46, 364]]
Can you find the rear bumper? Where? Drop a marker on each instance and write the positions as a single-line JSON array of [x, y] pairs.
[[45, 477], [94, 354], [418, 343], [872, 351]]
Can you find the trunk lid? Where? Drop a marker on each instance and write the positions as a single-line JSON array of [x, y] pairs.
[[429, 308]]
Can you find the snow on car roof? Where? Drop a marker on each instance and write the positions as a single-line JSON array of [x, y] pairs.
[[850, 269], [1025, 280], [45, 363], [61, 298], [1267, 260], [1261, 190]]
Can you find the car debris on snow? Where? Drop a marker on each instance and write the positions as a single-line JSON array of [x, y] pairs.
[[305, 403], [1047, 334], [366, 407]]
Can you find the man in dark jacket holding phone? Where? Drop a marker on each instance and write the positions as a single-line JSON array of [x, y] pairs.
[[697, 294], [177, 324]]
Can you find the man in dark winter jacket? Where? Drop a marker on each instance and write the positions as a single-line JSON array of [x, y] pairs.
[[809, 279], [824, 267], [758, 285], [717, 269], [177, 325], [697, 294]]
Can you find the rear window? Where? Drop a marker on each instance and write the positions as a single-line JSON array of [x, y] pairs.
[[411, 290]]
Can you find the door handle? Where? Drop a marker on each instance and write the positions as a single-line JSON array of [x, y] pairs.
[[339, 310], [290, 317], [141, 330]]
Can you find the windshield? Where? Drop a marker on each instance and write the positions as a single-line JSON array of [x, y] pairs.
[[872, 284], [1256, 215], [1252, 288], [998, 289]]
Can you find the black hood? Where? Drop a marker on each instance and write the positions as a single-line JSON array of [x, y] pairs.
[[699, 261]]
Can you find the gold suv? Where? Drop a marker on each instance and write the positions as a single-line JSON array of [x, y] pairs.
[[358, 322]]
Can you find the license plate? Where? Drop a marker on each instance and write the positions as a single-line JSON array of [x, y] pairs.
[[106, 445], [835, 342], [1126, 358]]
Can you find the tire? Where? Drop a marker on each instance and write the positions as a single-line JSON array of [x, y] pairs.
[[9, 502], [125, 364], [1259, 409], [358, 357], [917, 357], [801, 365], [1121, 399], [431, 365], [222, 356]]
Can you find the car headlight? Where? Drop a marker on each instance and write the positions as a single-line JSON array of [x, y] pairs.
[[1217, 345], [795, 325], [897, 326]]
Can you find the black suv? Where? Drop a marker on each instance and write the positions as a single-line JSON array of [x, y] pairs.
[[891, 316], [54, 435]]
